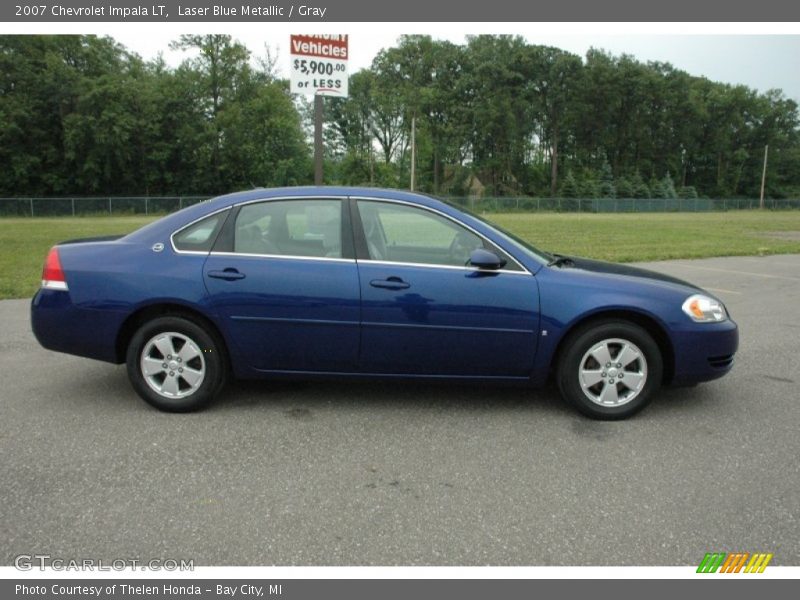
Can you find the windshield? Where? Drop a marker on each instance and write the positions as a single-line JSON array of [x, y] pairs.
[[514, 240]]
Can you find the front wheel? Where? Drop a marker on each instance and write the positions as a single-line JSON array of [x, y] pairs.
[[610, 369], [175, 365]]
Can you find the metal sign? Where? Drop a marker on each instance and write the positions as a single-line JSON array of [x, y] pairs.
[[318, 65]]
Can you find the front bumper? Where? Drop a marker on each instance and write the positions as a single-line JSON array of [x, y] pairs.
[[703, 352]]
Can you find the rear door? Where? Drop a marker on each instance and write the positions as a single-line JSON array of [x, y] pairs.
[[425, 312], [284, 280]]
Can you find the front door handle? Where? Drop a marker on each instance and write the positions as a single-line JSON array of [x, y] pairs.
[[227, 274], [390, 283]]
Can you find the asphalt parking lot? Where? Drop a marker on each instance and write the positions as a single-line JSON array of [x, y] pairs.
[[386, 474]]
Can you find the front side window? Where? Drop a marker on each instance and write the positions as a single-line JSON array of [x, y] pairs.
[[310, 228], [401, 233], [526, 247]]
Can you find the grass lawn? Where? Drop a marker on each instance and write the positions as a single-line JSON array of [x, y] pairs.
[[617, 237], [658, 236], [24, 244]]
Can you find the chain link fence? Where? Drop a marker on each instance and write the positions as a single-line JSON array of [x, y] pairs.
[[620, 205], [155, 205], [85, 206]]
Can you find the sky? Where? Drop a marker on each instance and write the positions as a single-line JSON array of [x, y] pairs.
[[759, 55]]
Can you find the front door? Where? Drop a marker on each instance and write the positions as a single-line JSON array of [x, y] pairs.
[[425, 312]]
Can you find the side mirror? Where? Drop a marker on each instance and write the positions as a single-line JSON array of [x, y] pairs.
[[485, 259]]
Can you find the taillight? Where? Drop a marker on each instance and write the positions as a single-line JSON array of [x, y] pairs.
[[52, 273]]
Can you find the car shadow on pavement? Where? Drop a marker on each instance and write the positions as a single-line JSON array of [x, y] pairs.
[[434, 396], [109, 388]]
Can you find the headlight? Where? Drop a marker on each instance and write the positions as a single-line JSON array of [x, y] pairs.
[[703, 309]]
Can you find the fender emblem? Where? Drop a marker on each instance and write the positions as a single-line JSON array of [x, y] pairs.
[[158, 247]]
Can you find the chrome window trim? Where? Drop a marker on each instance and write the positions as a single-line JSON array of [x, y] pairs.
[[435, 266], [279, 198], [369, 261], [235, 205], [524, 271], [286, 256]]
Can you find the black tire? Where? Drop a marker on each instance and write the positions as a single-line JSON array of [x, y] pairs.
[[207, 359], [575, 363]]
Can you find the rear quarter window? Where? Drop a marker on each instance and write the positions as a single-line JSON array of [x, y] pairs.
[[199, 236]]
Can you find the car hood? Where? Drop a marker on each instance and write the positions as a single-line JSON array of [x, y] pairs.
[[599, 266]]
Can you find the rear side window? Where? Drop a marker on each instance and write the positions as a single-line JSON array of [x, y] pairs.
[[200, 236], [303, 228]]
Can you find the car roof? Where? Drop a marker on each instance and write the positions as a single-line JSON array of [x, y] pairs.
[[288, 192], [176, 220]]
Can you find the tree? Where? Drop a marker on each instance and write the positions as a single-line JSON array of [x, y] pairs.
[[624, 188], [500, 122], [606, 186], [552, 75], [264, 143], [569, 187], [217, 74], [350, 134], [657, 189], [640, 188], [43, 80], [588, 186], [668, 187], [82, 115]]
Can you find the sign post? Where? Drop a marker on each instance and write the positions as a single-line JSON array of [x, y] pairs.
[[763, 177], [318, 66]]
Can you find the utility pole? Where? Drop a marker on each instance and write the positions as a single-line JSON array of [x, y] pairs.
[[764, 176], [413, 150], [318, 105]]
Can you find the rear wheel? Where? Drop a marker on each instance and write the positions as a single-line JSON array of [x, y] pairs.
[[175, 364], [610, 369]]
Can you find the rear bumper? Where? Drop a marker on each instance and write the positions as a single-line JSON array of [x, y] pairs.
[[61, 326], [704, 352]]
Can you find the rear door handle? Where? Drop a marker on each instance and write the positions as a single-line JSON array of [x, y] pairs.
[[227, 274], [391, 283]]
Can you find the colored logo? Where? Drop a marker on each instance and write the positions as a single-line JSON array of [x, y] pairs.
[[734, 562]]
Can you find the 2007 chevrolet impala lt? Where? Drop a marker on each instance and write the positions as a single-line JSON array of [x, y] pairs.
[[346, 282]]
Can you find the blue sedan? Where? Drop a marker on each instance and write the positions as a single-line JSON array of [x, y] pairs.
[[350, 282]]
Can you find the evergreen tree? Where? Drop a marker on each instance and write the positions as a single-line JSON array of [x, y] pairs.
[[668, 187], [588, 186], [606, 186], [640, 188], [570, 189], [624, 188], [657, 188]]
